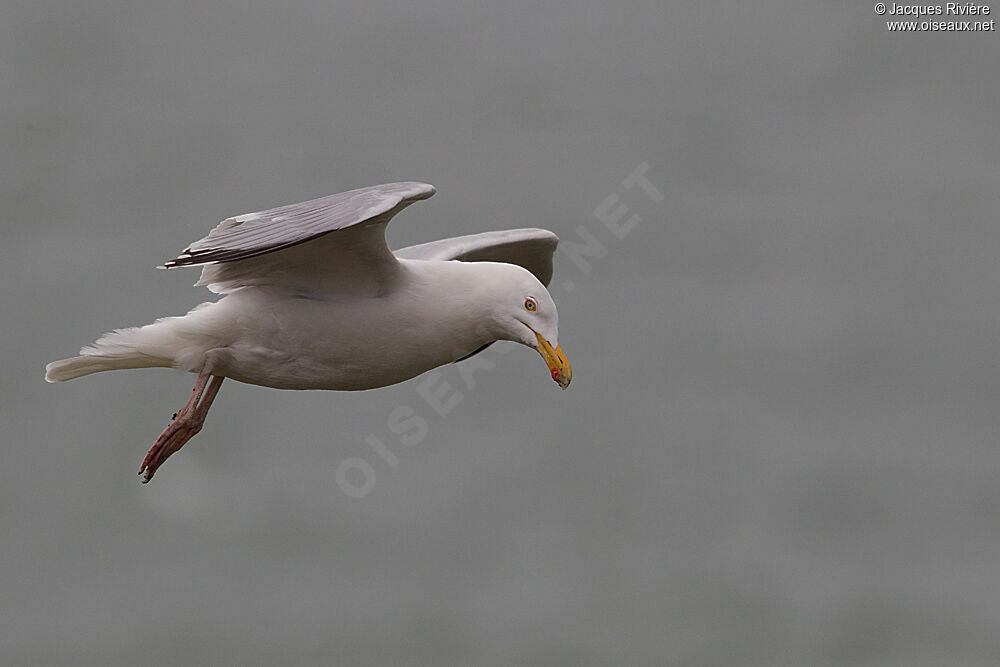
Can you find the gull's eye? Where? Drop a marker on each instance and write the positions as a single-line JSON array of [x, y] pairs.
[[529, 304]]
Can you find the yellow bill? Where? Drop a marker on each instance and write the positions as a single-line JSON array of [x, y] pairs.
[[559, 366]]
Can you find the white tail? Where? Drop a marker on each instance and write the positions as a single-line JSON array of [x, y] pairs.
[[133, 347], [67, 369], [169, 342]]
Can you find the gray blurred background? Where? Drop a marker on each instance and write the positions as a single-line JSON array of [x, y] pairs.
[[781, 443]]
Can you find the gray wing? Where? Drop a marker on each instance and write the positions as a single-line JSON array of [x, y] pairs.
[[530, 248], [339, 237]]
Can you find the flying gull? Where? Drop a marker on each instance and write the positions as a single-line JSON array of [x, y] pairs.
[[315, 299]]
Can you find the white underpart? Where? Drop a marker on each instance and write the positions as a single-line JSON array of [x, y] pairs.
[[437, 313]]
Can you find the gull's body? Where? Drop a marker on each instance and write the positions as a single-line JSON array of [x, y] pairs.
[[271, 337], [314, 299]]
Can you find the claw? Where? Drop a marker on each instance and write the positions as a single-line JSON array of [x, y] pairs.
[[184, 425]]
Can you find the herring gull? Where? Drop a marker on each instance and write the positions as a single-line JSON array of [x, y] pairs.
[[315, 299]]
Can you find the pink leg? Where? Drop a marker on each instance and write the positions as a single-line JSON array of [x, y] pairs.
[[185, 425]]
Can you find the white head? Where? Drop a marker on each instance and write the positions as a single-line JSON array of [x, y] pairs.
[[525, 313]]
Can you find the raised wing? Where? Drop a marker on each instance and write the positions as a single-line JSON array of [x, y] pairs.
[[530, 248], [338, 239]]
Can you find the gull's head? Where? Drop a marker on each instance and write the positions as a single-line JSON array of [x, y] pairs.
[[527, 315]]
